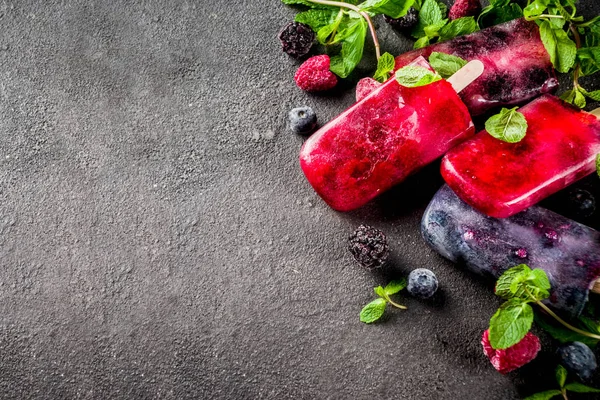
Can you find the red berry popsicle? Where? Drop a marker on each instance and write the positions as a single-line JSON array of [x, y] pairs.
[[382, 139], [517, 65], [500, 179]]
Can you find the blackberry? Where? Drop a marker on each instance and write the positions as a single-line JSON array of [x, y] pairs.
[[303, 120], [406, 23], [296, 39], [578, 359], [422, 283], [369, 246], [582, 203]]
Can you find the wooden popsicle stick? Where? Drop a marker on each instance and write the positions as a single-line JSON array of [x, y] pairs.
[[596, 112], [596, 287], [466, 75]]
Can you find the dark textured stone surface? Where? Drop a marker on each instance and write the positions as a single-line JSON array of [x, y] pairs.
[[158, 239]]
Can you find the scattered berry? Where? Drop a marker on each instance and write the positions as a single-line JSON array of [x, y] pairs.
[[464, 8], [369, 246], [296, 39], [303, 120], [314, 75], [582, 203], [578, 359], [406, 23], [364, 87], [422, 283], [515, 356]]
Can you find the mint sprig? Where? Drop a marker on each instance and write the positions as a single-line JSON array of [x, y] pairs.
[[343, 25], [375, 309], [434, 26], [521, 286], [561, 378], [498, 12], [509, 125]]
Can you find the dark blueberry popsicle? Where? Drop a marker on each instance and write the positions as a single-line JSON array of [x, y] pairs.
[[568, 251]]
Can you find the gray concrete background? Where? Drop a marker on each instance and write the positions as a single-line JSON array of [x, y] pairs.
[[158, 239]]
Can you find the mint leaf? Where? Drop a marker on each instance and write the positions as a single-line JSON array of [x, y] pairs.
[[561, 49], [430, 14], [536, 8], [432, 30], [419, 44], [385, 66], [595, 95], [575, 97], [391, 8], [316, 18], [504, 282], [415, 76], [580, 388], [458, 27], [589, 57], [379, 291], [498, 13], [446, 64], [373, 311], [561, 375], [395, 286], [547, 395], [325, 31], [534, 283], [510, 324], [509, 125], [352, 48]]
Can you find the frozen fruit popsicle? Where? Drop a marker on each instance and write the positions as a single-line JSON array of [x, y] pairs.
[[568, 251], [500, 179], [517, 66], [382, 139]]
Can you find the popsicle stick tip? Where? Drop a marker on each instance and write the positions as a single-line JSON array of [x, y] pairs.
[[596, 287], [466, 75], [596, 112]]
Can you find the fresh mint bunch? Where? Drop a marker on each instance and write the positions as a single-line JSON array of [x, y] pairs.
[[521, 286], [573, 44], [375, 309], [343, 26], [561, 379], [434, 26]]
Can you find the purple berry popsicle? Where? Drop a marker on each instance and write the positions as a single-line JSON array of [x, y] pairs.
[[517, 65], [501, 179], [379, 141], [567, 251]]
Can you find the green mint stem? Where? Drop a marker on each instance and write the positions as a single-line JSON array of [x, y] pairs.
[[395, 304], [578, 45], [362, 13], [541, 16], [566, 324], [564, 393]]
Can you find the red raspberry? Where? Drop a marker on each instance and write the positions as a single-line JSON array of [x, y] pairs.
[[314, 75], [464, 8], [515, 356], [365, 87]]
